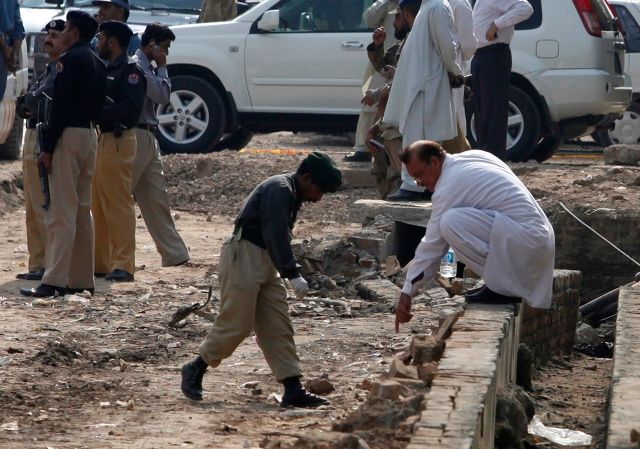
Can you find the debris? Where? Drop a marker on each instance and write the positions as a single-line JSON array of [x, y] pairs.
[[319, 386], [378, 290], [399, 369], [123, 365], [105, 404], [511, 420], [42, 302], [5, 361], [250, 385], [622, 155], [174, 345], [426, 348], [299, 413], [10, 426], [183, 312], [602, 350], [427, 372], [75, 299], [392, 266], [41, 418], [586, 334], [274, 397], [563, 437], [524, 367], [388, 389]]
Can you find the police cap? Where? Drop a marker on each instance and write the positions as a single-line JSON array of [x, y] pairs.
[[84, 22], [122, 3], [56, 25]]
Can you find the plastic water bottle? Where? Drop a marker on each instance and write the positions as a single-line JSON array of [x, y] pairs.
[[449, 264]]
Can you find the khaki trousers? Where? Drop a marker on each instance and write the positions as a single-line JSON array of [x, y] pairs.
[[150, 190], [385, 169], [33, 201], [70, 251], [253, 297], [458, 144], [113, 207], [365, 121], [218, 10]]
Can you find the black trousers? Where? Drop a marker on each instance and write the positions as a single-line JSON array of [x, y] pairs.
[[490, 79]]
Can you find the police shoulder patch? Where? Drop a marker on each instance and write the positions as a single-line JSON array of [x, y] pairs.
[[59, 66], [134, 78]]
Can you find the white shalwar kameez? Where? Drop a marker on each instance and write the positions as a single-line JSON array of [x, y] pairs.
[[495, 226], [420, 103]]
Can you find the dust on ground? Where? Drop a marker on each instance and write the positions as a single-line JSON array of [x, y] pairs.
[[104, 372]]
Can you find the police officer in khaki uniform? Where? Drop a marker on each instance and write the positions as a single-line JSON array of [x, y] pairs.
[[252, 265], [149, 186], [32, 107], [68, 154], [113, 207], [218, 10]]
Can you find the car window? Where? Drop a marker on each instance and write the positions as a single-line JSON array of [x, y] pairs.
[[631, 29], [322, 15], [153, 4], [535, 20]]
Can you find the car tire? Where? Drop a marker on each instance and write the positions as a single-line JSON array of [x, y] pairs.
[[236, 141], [546, 148], [626, 130], [10, 150], [524, 125], [194, 120]]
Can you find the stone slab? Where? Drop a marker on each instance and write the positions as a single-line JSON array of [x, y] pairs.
[[622, 155], [357, 175], [624, 404], [414, 213]]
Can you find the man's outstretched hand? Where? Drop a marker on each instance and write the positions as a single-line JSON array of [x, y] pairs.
[[403, 310]]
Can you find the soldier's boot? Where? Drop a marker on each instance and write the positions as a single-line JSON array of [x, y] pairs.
[[192, 374], [296, 396], [43, 291]]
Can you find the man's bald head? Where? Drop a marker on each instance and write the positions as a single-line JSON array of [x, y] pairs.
[[424, 160]]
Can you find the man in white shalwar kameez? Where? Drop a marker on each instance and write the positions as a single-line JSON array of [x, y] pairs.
[[420, 103], [489, 218]]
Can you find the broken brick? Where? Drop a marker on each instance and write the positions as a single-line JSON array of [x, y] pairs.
[[426, 348], [399, 369]]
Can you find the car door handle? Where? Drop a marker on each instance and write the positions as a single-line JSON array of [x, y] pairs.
[[352, 45]]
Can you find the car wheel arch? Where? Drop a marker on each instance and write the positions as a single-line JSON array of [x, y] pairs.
[[525, 85]]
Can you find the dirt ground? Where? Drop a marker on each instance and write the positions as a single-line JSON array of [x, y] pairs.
[[104, 372]]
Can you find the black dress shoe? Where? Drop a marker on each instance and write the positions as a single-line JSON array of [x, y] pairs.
[[74, 291], [119, 275], [302, 398], [358, 156], [99, 275], [31, 275], [488, 296], [407, 195], [192, 374], [43, 291]]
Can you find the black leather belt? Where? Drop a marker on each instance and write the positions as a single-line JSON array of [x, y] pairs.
[[148, 127], [79, 124]]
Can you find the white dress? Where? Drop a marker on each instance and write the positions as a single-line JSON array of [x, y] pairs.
[[484, 212]]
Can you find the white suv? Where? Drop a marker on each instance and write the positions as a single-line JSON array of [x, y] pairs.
[[297, 65]]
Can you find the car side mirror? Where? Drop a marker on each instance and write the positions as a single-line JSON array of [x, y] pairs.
[[270, 20]]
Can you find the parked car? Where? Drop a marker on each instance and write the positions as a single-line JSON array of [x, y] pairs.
[[11, 126], [567, 79], [626, 129], [297, 65]]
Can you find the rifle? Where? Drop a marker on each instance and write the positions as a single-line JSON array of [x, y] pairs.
[[42, 170]]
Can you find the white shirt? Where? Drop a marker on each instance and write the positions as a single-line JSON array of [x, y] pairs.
[[504, 13], [522, 244]]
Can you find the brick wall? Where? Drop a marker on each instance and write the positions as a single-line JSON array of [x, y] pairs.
[[552, 331]]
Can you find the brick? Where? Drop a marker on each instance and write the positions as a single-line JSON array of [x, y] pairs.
[[378, 290], [399, 369], [426, 348], [388, 389]]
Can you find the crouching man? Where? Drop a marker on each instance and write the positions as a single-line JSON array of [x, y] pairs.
[[253, 263], [489, 218]]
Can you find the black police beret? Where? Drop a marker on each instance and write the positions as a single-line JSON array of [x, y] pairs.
[[83, 21], [324, 172], [56, 24]]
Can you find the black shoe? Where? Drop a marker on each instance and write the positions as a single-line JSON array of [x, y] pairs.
[[31, 275], [488, 296], [407, 195], [74, 291], [302, 398], [192, 374], [119, 275], [99, 275], [358, 156], [43, 291]]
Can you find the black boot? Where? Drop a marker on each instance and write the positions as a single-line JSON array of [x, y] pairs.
[[43, 291], [119, 275], [31, 275], [488, 296], [358, 156], [296, 396], [192, 374]]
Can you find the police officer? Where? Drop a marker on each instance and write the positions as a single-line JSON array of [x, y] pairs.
[[252, 294], [32, 107], [115, 10], [113, 207], [149, 186], [68, 154]]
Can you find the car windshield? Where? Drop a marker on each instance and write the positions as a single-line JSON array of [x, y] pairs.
[[171, 5]]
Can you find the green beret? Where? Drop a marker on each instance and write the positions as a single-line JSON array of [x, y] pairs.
[[324, 172]]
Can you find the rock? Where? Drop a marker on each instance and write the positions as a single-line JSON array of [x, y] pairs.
[[252, 384], [399, 369], [378, 290], [388, 389], [622, 155], [427, 372], [367, 262], [318, 385], [457, 287], [426, 348], [43, 302], [586, 334], [511, 421], [373, 241], [366, 384], [436, 294], [392, 266], [411, 383], [524, 369], [446, 325], [526, 401], [330, 440], [204, 168], [327, 282]]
